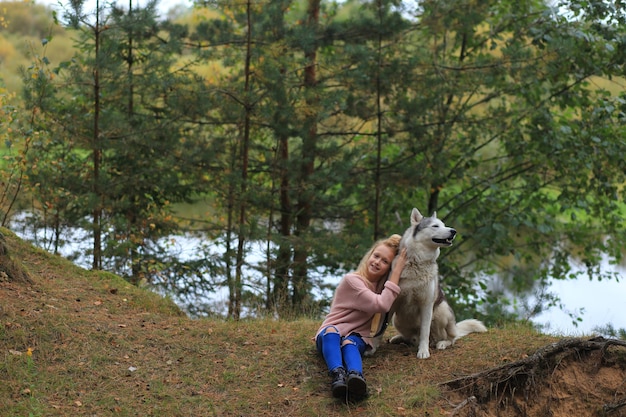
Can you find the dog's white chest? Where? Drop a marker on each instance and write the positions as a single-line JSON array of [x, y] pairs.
[[418, 282]]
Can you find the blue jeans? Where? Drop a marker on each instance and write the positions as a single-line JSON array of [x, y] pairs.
[[339, 351]]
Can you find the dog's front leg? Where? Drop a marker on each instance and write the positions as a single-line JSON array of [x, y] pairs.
[[375, 344], [427, 316]]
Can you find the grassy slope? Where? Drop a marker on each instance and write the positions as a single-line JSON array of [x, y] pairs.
[[102, 347]]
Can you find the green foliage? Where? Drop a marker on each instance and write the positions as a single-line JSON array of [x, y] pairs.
[[113, 135], [492, 124], [316, 133], [24, 25], [29, 20]]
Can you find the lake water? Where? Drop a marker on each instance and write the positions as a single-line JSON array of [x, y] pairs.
[[603, 302]]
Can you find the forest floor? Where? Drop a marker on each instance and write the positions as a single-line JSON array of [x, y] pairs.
[[80, 343]]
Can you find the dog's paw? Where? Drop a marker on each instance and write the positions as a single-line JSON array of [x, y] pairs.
[[423, 354], [442, 344], [370, 352]]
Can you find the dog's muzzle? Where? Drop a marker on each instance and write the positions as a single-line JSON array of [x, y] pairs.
[[447, 241]]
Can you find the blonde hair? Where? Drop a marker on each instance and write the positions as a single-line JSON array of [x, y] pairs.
[[392, 242]]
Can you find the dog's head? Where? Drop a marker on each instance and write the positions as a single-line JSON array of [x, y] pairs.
[[429, 231]]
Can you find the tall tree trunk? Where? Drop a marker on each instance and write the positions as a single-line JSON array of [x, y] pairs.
[[245, 144], [309, 139], [97, 152], [131, 216], [230, 219], [379, 120], [283, 258], [443, 133], [280, 299]]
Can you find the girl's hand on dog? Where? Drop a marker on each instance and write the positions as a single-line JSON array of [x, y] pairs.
[[398, 266], [401, 259]]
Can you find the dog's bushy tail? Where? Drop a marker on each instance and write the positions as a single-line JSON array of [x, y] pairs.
[[465, 327]]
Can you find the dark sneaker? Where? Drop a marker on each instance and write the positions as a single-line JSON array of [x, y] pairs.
[[338, 385], [357, 387]]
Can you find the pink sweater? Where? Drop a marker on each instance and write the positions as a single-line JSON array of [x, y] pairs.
[[355, 304]]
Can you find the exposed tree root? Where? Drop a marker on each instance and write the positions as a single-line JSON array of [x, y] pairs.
[[471, 400], [519, 380], [10, 269], [607, 409]]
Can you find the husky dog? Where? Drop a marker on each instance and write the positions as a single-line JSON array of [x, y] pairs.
[[421, 314]]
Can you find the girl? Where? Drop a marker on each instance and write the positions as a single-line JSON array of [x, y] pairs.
[[346, 331]]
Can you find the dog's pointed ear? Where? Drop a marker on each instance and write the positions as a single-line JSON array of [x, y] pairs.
[[434, 216], [416, 217]]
